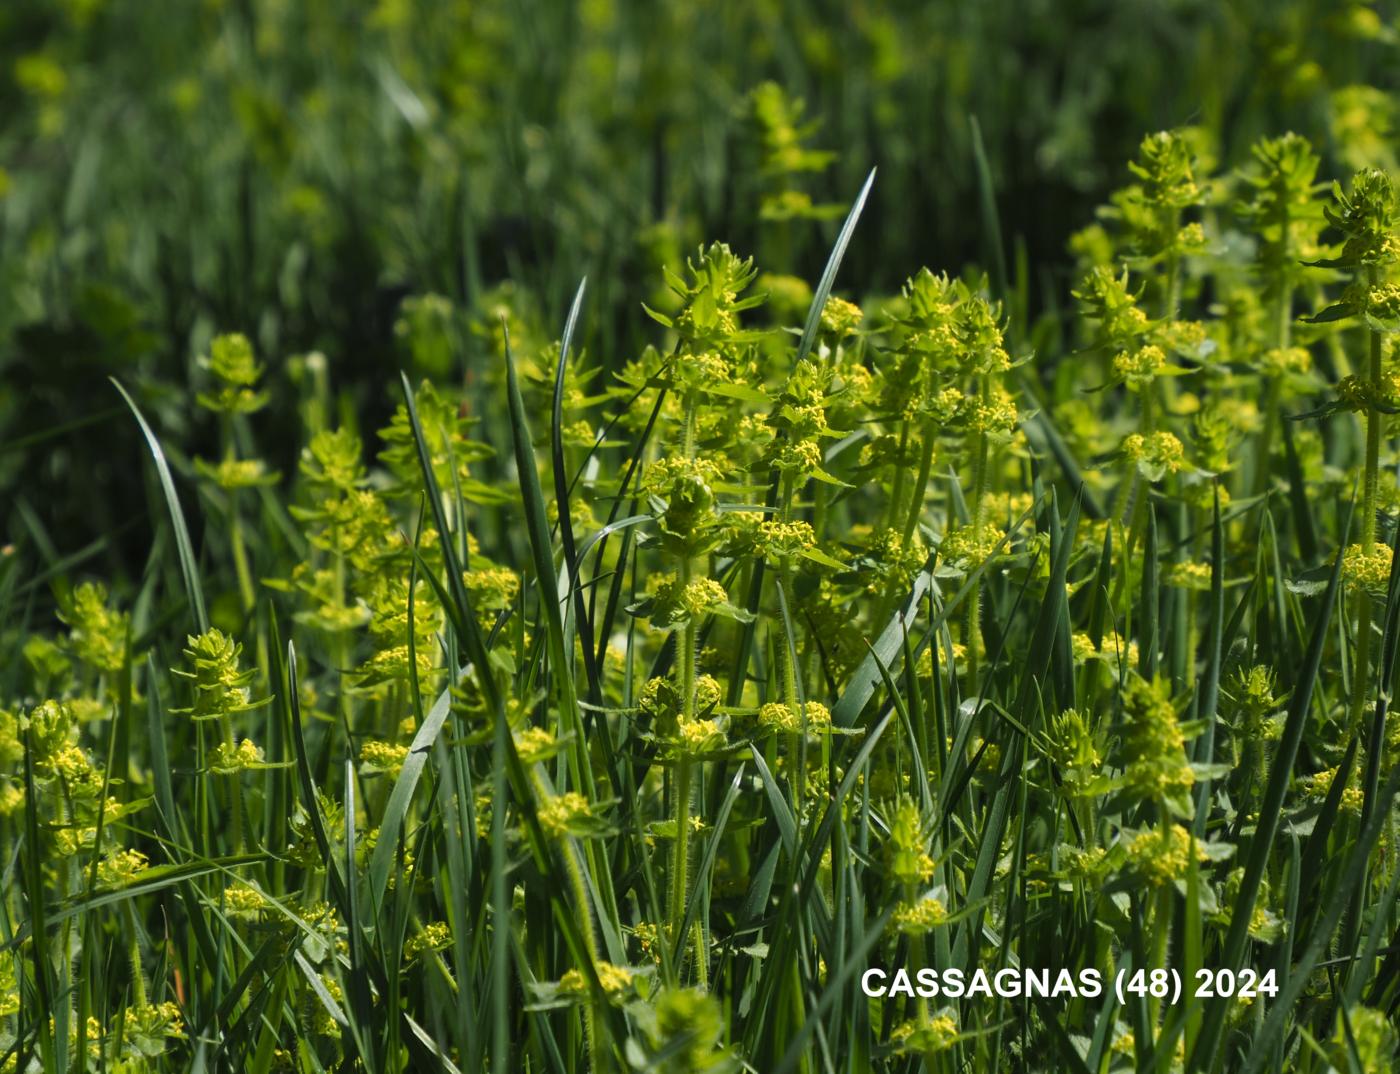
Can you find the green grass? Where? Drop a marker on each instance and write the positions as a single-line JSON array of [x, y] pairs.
[[567, 704]]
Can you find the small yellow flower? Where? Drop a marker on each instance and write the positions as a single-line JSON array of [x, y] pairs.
[[97, 633], [1163, 854], [237, 372], [697, 736], [927, 1036], [614, 979], [9, 989], [649, 937], [229, 760], [1364, 569], [996, 416], [1157, 455], [1082, 863], [920, 918], [910, 862], [1319, 785], [240, 900], [231, 474], [1152, 743], [1189, 575], [147, 1027], [701, 595], [707, 693], [779, 538], [1282, 360], [120, 869], [841, 318], [492, 587], [897, 559], [220, 687], [968, 547], [434, 937], [535, 744], [1139, 368], [376, 756], [71, 763], [789, 718], [565, 814]]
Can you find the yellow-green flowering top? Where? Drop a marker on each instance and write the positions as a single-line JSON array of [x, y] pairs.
[[236, 373]]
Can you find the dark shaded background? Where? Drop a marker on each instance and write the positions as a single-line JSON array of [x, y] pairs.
[[294, 169]]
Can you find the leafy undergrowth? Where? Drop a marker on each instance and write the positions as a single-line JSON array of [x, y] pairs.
[[587, 721]]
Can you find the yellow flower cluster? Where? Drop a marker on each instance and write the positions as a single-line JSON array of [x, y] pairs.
[[146, 1027], [665, 473], [996, 416], [236, 372], [1082, 863], [1163, 854], [614, 979], [920, 918], [1367, 568], [240, 900], [1319, 786], [788, 717], [1156, 454], [780, 538], [707, 692], [220, 687], [535, 744], [1139, 368], [897, 559], [1152, 742], [492, 587], [968, 547], [229, 759], [120, 869], [561, 814], [97, 633], [841, 318], [910, 862], [697, 736], [927, 1036], [376, 756], [1278, 361], [1188, 575], [434, 937], [231, 474], [701, 595]]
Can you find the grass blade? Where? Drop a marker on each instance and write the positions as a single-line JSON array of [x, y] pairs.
[[833, 263], [188, 568]]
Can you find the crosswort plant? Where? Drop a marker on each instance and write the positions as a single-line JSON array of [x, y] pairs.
[[617, 712]]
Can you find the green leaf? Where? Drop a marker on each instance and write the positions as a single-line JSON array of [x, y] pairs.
[[1338, 311], [828, 277], [1270, 812], [183, 546], [391, 823]]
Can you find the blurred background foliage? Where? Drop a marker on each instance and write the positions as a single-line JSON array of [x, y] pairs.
[[378, 182]]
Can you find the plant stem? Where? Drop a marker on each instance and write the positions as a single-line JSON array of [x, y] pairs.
[[1273, 387], [685, 657], [240, 555], [593, 1021], [897, 490], [972, 617], [138, 978], [1361, 673], [916, 505], [235, 793]]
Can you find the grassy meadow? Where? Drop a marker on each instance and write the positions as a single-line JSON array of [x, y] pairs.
[[554, 537]]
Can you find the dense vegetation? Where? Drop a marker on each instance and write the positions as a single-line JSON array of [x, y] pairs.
[[654, 655]]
